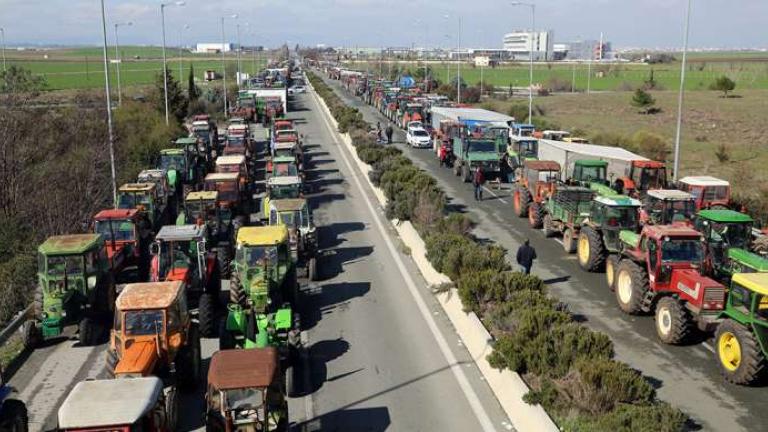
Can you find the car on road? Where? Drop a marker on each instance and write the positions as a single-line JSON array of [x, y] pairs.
[[418, 137], [415, 125], [297, 89]]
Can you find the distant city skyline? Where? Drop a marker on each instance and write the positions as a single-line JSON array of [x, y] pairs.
[[626, 23]]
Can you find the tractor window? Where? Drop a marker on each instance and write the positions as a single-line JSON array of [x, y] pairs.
[[182, 305], [653, 255], [232, 168], [259, 256], [228, 191], [117, 230], [592, 174], [59, 265], [731, 235], [285, 169], [650, 178], [247, 399], [620, 217], [290, 219], [91, 262], [715, 193], [740, 297], [482, 146], [174, 317], [682, 250], [144, 322]]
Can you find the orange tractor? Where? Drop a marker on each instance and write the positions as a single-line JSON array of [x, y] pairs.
[[536, 183]]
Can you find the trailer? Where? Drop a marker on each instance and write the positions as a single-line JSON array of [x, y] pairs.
[[567, 153], [264, 93], [468, 116]]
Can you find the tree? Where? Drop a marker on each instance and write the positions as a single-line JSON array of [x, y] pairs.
[[177, 103], [723, 84], [643, 100], [20, 80], [192, 91]]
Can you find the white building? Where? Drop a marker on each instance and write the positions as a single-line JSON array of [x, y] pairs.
[[214, 47], [522, 42]]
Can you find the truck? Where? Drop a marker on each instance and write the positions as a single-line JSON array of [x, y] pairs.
[[470, 153]]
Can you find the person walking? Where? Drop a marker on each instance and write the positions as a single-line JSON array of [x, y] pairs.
[[389, 132], [478, 180], [526, 254]]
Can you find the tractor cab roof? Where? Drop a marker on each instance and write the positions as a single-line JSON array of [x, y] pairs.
[[704, 181], [262, 235], [283, 180], [670, 195], [591, 163], [289, 204], [149, 295], [757, 282], [285, 145], [181, 233], [102, 403], [677, 231], [243, 368], [137, 187], [725, 216], [283, 159], [618, 201], [115, 214], [202, 196], [648, 164], [172, 151], [185, 141], [70, 244], [230, 160], [222, 177], [152, 173], [540, 165]]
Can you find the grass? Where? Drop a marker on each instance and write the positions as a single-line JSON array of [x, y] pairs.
[[10, 350]]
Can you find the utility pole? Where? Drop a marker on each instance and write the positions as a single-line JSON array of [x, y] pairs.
[[109, 107], [675, 174], [2, 34], [533, 37], [119, 62], [458, 64]]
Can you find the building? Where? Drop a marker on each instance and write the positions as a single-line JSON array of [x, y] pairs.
[[214, 47], [586, 50], [522, 42]]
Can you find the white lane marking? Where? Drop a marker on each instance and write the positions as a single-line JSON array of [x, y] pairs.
[[495, 196], [461, 378]]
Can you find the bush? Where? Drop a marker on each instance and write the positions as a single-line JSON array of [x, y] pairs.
[[488, 287], [723, 84], [657, 417], [643, 100], [596, 386], [470, 95], [518, 111], [651, 145]]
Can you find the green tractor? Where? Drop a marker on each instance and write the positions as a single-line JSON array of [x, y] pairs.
[[296, 215], [75, 286], [278, 187], [520, 150], [728, 239], [185, 169], [592, 173], [565, 212], [599, 237], [741, 339]]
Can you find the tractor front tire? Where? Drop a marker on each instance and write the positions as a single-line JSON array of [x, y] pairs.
[[171, 407], [569, 241], [739, 355], [522, 200], [549, 230], [591, 251], [88, 331], [611, 265], [188, 362], [673, 321], [631, 286], [535, 217], [206, 315], [31, 334], [15, 417], [225, 263], [237, 294]]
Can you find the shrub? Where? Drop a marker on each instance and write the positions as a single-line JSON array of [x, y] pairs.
[[488, 287], [643, 100], [723, 84], [518, 111], [596, 386], [657, 417], [651, 145], [470, 95]]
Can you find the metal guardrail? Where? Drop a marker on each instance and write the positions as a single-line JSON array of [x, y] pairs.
[[15, 324]]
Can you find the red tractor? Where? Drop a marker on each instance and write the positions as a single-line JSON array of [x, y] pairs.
[[709, 192], [536, 183], [658, 271], [641, 176], [126, 234]]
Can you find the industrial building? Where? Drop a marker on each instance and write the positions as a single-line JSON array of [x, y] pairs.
[[521, 43], [214, 47]]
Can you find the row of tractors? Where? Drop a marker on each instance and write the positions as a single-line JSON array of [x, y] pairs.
[[679, 251], [176, 234]]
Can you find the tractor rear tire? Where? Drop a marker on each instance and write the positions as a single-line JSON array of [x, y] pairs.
[[631, 286], [290, 381], [32, 336], [535, 215], [611, 266], [171, 407], [569, 241], [673, 321], [15, 417], [739, 355], [206, 315], [312, 269], [591, 251], [465, 174], [188, 362], [549, 230], [225, 263], [237, 294], [522, 199], [214, 282], [88, 331], [111, 363]]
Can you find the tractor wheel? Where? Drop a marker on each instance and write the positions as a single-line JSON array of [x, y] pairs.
[[88, 332], [312, 269], [32, 335], [673, 321], [214, 282], [549, 230], [631, 286], [226, 338], [739, 355], [522, 200], [569, 241], [290, 381], [225, 263], [206, 315], [611, 264], [590, 249], [37, 304], [535, 215], [171, 407], [188, 362], [111, 363], [465, 174], [237, 294], [15, 417]]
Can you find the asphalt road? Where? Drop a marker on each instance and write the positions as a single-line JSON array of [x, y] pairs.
[[380, 353], [686, 376]]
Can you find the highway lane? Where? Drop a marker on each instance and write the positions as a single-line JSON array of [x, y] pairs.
[[686, 376], [372, 360]]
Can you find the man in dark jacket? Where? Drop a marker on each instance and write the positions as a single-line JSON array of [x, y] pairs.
[[525, 256], [478, 180], [389, 132]]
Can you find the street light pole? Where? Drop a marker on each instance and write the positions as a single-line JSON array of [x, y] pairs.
[[2, 34], [458, 64], [530, 56], [119, 61], [223, 61], [239, 48], [181, 51], [680, 94], [165, 61], [109, 107]]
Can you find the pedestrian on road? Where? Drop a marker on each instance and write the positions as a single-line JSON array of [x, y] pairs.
[[478, 180], [526, 254], [442, 154], [389, 132]]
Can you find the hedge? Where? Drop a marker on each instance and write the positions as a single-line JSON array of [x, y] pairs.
[[570, 368]]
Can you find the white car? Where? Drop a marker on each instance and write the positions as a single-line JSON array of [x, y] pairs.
[[415, 125], [418, 137], [297, 90]]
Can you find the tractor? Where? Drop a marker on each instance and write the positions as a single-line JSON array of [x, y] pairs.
[[659, 271], [13, 412], [235, 164], [565, 213], [538, 180], [470, 153], [144, 198], [179, 253], [231, 197], [182, 175], [523, 129], [154, 334], [76, 285], [708, 192], [286, 149], [741, 338], [160, 178], [204, 129], [610, 217], [238, 145], [279, 187], [296, 215], [196, 149], [667, 207], [592, 173], [728, 240], [126, 235], [246, 392], [641, 176], [521, 149]]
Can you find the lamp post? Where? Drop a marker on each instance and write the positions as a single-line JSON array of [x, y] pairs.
[[2, 35], [165, 62], [458, 60], [223, 61], [530, 56], [109, 107], [181, 51], [118, 60], [680, 94], [239, 48]]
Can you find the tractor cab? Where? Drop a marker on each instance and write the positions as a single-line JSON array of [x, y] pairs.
[[642, 176], [296, 215], [228, 186], [610, 219], [592, 173], [195, 147], [118, 405], [411, 112], [160, 178], [523, 129], [708, 192], [522, 149], [285, 166], [246, 392], [125, 233], [667, 207], [200, 208], [75, 285], [153, 334], [179, 254], [540, 177], [728, 239], [282, 125], [237, 145], [555, 135], [144, 198], [234, 164]]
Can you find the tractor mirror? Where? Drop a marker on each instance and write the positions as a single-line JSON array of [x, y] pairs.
[[154, 248]]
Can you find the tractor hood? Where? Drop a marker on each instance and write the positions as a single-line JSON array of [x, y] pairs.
[[630, 238], [173, 176], [138, 359], [483, 156], [749, 259]]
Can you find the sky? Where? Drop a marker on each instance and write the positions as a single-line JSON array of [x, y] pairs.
[[367, 23]]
